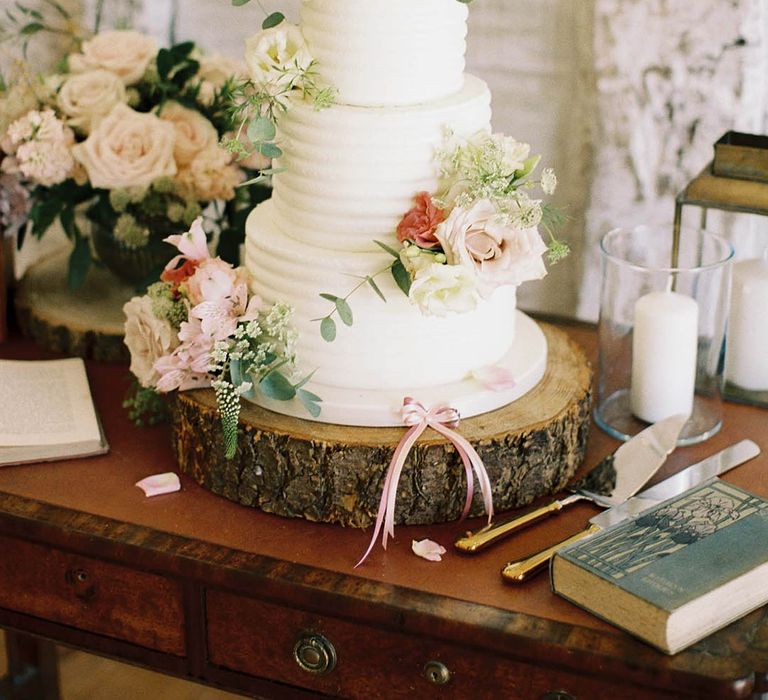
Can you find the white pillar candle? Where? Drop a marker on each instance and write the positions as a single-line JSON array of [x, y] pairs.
[[664, 347], [746, 356]]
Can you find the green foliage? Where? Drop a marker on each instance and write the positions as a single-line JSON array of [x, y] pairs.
[[328, 329], [145, 406], [401, 276], [272, 20], [276, 386]]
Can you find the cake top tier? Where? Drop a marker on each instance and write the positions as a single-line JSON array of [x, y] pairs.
[[387, 52]]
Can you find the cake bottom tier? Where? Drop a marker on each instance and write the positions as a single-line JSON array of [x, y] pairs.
[[334, 473]]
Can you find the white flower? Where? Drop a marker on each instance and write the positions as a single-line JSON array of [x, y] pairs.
[[88, 97], [125, 53], [41, 145], [211, 175], [513, 153], [548, 181], [277, 56], [148, 338], [439, 290], [482, 240], [128, 149], [194, 133]]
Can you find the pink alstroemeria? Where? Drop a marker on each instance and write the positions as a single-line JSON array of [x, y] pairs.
[[193, 249], [187, 366], [428, 549], [495, 377], [158, 484]]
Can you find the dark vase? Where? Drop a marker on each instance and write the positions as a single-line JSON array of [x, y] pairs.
[[136, 266]]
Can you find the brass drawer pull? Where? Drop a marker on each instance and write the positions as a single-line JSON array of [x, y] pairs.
[[436, 672], [315, 654]]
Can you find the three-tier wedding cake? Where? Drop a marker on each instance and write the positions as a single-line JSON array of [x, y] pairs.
[[405, 157]]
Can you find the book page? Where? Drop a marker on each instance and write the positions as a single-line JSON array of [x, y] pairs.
[[46, 403]]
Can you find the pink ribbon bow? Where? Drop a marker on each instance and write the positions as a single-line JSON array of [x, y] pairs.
[[442, 419]]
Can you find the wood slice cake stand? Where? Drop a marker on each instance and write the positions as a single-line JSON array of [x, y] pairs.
[[334, 473], [87, 322]]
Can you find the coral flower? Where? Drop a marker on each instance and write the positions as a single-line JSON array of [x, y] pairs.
[[419, 224]]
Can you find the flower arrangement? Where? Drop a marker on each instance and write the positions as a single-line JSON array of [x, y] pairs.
[[478, 232], [200, 327], [127, 139]]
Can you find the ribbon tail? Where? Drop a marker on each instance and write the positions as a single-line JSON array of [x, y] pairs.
[[390, 487], [468, 453]]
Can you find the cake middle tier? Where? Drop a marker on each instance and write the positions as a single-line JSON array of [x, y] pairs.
[[390, 344], [348, 174]]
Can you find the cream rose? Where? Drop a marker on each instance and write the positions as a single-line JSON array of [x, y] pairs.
[[127, 149], [275, 56], [479, 239], [215, 69], [148, 338], [125, 53], [86, 98], [194, 133], [440, 290]]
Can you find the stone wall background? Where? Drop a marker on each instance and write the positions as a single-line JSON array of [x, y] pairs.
[[624, 98]]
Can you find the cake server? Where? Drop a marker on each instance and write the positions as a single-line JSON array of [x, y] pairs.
[[613, 480], [695, 474]]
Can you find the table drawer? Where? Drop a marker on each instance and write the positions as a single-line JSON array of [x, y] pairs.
[[92, 595], [264, 640]]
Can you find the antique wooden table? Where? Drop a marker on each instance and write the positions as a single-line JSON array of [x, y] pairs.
[[202, 588]]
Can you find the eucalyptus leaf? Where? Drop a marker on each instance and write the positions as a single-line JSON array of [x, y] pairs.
[[375, 288], [345, 311], [269, 150], [328, 329], [305, 380], [240, 3], [329, 297], [261, 129], [401, 276], [273, 20], [276, 386], [253, 181], [394, 253], [310, 401], [32, 28], [236, 372]]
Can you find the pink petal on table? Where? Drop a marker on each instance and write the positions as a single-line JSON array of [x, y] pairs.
[[427, 549], [158, 484], [495, 378]]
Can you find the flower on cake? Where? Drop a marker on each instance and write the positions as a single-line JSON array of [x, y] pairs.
[[278, 56], [479, 231], [123, 142], [200, 326]]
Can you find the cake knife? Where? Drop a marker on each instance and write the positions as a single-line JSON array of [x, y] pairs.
[[718, 463], [613, 480]]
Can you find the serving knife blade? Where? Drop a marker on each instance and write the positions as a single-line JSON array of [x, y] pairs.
[[716, 464], [612, 481]]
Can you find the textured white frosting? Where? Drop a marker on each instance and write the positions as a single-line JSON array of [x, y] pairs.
[[350, 173], [390, 345], [387, 52]]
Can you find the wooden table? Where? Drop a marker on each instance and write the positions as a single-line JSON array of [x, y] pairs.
[[196, 586]]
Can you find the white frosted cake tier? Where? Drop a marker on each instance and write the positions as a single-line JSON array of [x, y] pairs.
[[350, 173], [526, 360], [387, 52], [389, 345]]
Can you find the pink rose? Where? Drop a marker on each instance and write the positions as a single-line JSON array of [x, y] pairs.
[[500, 254], [419, 224]]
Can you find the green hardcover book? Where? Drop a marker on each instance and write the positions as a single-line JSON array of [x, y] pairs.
[[678, 571]]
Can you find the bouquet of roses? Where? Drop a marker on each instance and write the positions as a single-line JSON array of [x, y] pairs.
[[199, 326], [130, 136]]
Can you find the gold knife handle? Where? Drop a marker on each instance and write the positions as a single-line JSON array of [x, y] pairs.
[[475, 541], [523, 569]]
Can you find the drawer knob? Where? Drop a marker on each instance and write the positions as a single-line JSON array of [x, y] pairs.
[[315, 654], [436, 672], [81, 584]]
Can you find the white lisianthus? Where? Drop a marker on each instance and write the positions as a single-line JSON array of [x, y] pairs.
[[88, 97], [440, 290], [125, 53], [513, 153], [128, 149], [148, 339], [480, 238], [194, 133], [276, 56]]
